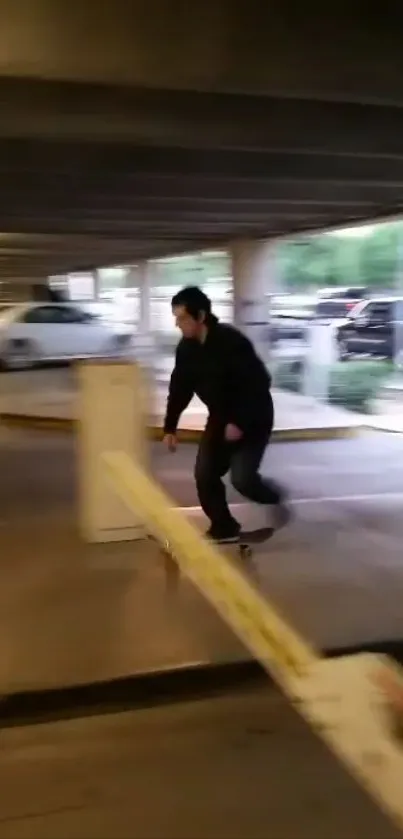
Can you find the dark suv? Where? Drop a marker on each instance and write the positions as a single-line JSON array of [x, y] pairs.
[[335, 303], [374, 327]]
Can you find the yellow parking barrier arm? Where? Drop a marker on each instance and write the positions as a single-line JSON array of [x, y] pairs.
[[267, 635], [351, 702]]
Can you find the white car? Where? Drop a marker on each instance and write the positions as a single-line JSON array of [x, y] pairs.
[[36, 332]]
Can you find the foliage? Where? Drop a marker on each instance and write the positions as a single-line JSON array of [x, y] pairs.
[[355, 384], [194, 268], [287, 375], [373, 260], [352, 385]]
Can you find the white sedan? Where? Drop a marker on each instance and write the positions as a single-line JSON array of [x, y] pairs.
[[31, 333]]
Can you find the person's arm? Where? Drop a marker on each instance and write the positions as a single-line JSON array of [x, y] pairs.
[[181, 389]]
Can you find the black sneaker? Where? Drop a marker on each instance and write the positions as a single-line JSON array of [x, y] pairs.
[[224, 535]]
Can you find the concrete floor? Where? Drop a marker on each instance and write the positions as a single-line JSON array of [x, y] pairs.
[[73, 613], [238, 767]]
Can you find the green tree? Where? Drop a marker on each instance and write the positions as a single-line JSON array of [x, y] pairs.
[[378, 256], [308, 262], [339, 260], [193, 268]]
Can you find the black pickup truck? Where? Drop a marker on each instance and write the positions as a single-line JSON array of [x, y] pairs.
[[374, 327]]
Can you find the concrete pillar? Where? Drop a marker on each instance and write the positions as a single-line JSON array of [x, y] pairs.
[[145, 270], [140, 276], [253, 276], [96, 284]]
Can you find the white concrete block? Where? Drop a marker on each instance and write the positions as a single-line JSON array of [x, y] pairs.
[[112, 408]]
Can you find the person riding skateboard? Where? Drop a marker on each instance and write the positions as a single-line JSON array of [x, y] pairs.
[[219, 364]]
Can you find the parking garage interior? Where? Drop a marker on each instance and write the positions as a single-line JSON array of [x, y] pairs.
[[130, 136]]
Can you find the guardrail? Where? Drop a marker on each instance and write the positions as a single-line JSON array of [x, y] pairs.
[[353, 703]]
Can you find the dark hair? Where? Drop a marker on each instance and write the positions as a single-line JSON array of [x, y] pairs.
[[195, 302]]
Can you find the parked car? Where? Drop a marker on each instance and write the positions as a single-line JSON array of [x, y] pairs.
[[335, 303], [290, 327], [31, 333], [293, 318], [374, 327], [290, 316], [356, 292]]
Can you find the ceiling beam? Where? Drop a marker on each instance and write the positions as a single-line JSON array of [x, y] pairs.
[[249, 45], [165, 231], [168, 188], [122, 165], [38, 109]]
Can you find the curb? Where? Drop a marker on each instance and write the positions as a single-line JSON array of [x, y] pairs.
[[143, 690], [186, 683], [185, 435], [383, 430]]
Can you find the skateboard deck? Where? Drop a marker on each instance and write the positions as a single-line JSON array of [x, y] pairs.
[[256, 536], [248, 538], [243, 548]]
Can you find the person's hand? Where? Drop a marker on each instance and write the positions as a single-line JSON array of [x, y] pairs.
[[171, 442], [232, 433]]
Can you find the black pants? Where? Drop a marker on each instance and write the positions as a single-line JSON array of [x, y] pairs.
[[216, 457]]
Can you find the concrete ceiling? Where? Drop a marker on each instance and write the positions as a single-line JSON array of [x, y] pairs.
[[144, 129]]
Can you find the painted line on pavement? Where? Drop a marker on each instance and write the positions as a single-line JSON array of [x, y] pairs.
[[323, 499]]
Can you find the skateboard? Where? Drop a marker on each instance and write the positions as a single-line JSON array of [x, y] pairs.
[[243, 545], [249, 538]]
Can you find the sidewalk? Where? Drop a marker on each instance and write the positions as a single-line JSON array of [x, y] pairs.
[[293, 412], [385, 422], [51, 395], [388, 411]]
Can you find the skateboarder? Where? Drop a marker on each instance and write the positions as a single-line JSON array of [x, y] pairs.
[[219, 364]]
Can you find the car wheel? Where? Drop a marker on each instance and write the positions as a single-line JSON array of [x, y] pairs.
[[344, 354], [19, 355]]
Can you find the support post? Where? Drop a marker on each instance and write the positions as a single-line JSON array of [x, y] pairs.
[[96, 284], [112, 415], [144, 279], [253, 266]]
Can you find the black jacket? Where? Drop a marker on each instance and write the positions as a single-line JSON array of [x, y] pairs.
[[227, 375]]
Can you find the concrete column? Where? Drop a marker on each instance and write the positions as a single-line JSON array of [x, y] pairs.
[[96, 284], [253, 276], [145, 270], [140, 276]]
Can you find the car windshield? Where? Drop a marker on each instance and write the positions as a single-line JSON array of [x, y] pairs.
[[332, 308]]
